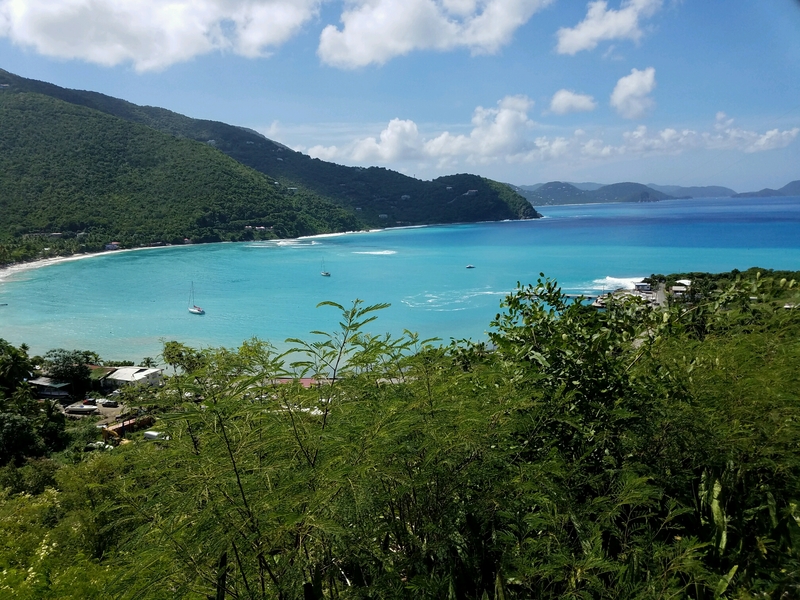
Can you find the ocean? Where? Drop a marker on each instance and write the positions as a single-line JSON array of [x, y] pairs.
[[125, 305]]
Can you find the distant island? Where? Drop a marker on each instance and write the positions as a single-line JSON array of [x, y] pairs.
[[790, 189], [558, 192]]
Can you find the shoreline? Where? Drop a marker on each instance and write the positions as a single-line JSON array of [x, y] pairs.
[[9, 271]]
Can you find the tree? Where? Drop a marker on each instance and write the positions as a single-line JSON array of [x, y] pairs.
[[71, 366], [18, 438], [15, 367]]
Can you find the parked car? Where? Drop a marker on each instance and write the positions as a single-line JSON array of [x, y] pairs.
[[90, 402], [106, 403]]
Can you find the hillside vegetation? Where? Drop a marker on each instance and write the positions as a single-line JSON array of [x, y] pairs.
[[380, 197], [628, 453], [94, 178]]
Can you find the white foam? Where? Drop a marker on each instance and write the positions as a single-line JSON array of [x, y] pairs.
[[447, 301], [292, 243], [378, 252], [609, 283]]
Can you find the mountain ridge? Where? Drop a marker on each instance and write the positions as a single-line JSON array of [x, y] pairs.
[[378, 197], [559, 192], [790, 189]]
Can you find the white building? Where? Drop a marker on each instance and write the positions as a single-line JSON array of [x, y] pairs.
[[134, 375]]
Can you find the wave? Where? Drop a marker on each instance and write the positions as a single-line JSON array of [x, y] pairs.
[[448, 301], [378, 252], [609, 283], [293, 243]]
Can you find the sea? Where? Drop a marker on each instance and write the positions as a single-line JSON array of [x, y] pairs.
[[125, 305]]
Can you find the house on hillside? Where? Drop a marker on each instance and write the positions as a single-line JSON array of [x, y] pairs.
[[682, 289], [50, 388], [133, 376]]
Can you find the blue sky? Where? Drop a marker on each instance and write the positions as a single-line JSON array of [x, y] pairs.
[[683, 92]]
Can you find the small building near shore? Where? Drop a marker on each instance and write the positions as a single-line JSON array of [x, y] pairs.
[[133, 376], [678, 290]]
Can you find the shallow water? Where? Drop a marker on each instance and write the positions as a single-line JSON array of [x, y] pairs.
[[125, 305]]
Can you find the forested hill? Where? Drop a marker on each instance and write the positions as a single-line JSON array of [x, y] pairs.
[[73, 170], [558, 192], [379, 197]]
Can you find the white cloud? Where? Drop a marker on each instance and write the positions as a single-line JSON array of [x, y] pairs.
[[723, 136], [604, 24], [399, 141], [728, 137], [375, 31], [566, 101], [596, 148], [151, 34], [329, 153], [505, 134], [496, 133], [630, 95]]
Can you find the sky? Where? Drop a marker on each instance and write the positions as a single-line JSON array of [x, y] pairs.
[[682, 92]]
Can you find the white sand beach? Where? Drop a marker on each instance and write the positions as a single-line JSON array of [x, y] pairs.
[[9, 271]]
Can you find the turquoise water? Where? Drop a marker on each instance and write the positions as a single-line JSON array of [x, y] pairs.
[[125, 305]]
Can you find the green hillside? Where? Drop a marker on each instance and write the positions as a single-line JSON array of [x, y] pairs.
[[381, 197], [71, 170]]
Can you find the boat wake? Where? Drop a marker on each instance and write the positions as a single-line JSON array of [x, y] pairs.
[[378, 252]]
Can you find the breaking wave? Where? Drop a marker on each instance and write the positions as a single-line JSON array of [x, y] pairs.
[[614, 283]]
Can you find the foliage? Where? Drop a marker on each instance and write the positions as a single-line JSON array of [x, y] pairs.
[[76, 179], [27, 427], [626, 453], [71, 366], [15, 367]]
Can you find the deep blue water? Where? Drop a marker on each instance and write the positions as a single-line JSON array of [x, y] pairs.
[[125, 305]]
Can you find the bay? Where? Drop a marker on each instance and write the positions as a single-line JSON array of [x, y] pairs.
[[125, 305]]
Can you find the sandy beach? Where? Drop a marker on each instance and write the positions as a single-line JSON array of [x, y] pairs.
[[8, 272]]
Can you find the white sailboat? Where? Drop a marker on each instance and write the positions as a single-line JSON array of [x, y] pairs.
[[324, 273], [193, 308]]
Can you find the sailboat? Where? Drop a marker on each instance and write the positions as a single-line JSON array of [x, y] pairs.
[[193, 308], [324, 273]]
